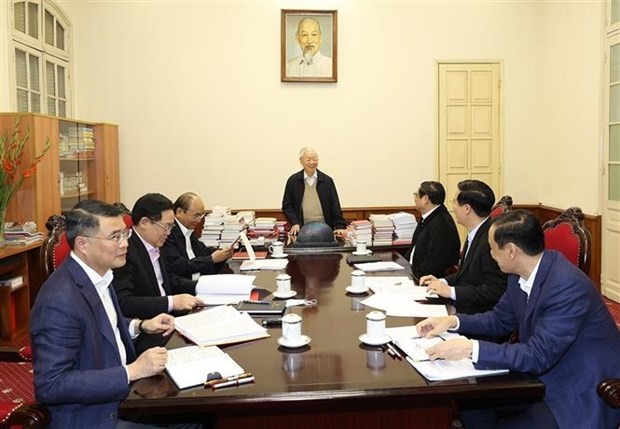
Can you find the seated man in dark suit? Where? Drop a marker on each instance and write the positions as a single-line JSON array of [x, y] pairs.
[[435, 244], [144, 286], [84, 358], [479, 283], [183, 253], [567, 338]]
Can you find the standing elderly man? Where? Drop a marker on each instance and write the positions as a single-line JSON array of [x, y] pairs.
[[567, 338], [311, 62], [185, 255], [310, 195], [479, 283], [82, 346]]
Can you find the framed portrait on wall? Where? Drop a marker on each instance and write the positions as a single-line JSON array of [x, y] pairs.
[[309, 46]]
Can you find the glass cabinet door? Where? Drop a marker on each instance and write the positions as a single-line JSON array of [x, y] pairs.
[[77, 163]]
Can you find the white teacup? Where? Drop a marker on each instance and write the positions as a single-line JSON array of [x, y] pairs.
[[276, 248], [358, 280], [375, 326], [360, 247], [291, 328], [284, 283]]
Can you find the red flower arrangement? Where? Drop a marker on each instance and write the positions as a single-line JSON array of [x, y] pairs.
[[12, 172]]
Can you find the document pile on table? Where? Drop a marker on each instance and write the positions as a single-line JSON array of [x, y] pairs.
[[189, 366], [219, 325], [397, 296], [407, 339], [224, 288]]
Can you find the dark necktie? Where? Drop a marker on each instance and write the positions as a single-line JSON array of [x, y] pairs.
[[464, 252]]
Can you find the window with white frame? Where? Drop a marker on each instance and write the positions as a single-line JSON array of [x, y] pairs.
[[41, 35]]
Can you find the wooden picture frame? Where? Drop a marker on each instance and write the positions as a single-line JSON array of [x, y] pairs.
[[316, 33]]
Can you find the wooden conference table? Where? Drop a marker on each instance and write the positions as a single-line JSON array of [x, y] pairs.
[[335, 381]]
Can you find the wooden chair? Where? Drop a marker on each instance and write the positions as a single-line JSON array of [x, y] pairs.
[[503, 205], [609, 390], [15, 366], [567, 234], [55, 248]]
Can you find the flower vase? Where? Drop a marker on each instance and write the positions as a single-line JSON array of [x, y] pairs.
[[2, 215]]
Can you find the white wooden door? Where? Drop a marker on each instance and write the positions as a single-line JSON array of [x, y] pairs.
[[610, 177], [469, 125]]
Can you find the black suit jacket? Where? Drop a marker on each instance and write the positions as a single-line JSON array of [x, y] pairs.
[[437, 244], [177, 261], [479, 283], [325, 187], [136, 285]]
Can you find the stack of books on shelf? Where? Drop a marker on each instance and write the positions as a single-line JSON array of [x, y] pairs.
[[265, 227], [22, 234], [72, 183], [77, 142], [360, 230], [382, 230], [404, 226]]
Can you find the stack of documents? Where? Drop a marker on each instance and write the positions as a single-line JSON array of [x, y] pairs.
[[360, 230], [219, 325], [407, 339], [403, 306], [379, 266], [263, 227], [233, 225], [404, 227], [224, 288], [212, 229], [189, 366], [382, 229]]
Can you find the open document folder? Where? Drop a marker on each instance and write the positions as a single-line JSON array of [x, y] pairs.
[[414, 346], [189, 366], [219, 325], [224, 288], [253, 264]]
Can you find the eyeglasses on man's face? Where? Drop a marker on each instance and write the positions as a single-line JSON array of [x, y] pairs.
[[166, 227], [197, 216], [117, 237]]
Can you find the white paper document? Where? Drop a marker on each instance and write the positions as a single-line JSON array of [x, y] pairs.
[[224, 288], [219, 325], [402, 286], [397, 305], [379, 266], [407, 339], [264, 264], [189, 366]]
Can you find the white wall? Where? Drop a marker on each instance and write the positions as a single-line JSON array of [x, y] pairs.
[[195, 89]]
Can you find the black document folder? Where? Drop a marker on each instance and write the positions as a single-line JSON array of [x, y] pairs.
[[275, 308], [360, 259]]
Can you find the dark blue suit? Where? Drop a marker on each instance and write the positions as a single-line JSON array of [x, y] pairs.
[[78, 372], [567, 338]]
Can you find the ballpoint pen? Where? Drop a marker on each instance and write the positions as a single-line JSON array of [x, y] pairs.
[[249, 301], [210, 383], [396, 352], [237, 382]]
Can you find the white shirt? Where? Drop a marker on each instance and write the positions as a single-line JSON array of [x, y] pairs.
[[154, 254], [320, 66], [102, 286], [187, 233], [424, 216], [310, 179]]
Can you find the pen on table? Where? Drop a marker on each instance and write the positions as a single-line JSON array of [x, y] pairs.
[[249, 301], [225, 379], [237, 382], [396, 352]]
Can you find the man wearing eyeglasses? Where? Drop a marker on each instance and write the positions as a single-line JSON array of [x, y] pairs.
[[83, 354], [183, 253], [144, 286]]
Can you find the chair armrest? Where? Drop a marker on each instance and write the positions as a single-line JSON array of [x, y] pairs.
[[609, 390], [10, 354], [33, 416]]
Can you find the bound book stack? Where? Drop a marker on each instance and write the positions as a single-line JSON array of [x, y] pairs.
[[264, 227], [360, 230], [22, 234], [404, 226], [382, 230]]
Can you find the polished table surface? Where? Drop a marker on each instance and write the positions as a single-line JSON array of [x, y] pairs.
[[332, 379]]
